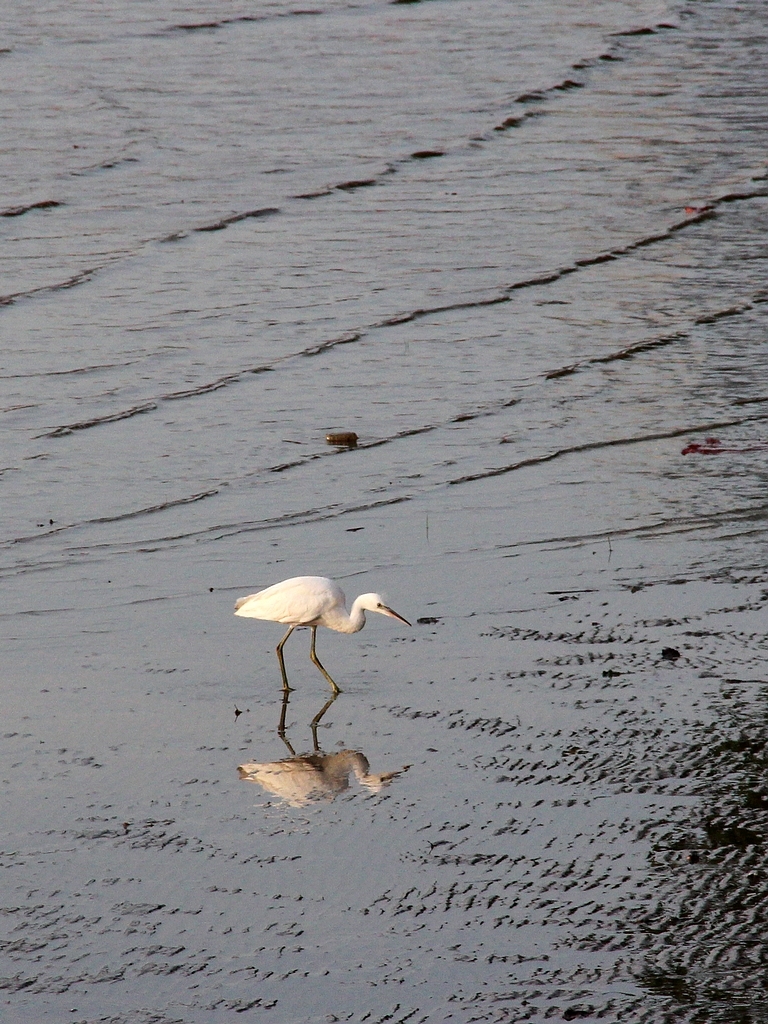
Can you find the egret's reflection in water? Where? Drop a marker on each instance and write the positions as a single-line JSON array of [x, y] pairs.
[[310, 778]]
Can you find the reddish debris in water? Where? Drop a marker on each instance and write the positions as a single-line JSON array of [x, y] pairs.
[[714, 446], [709, 446]]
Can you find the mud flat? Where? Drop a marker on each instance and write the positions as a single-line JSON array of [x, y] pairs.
[[525, 265]]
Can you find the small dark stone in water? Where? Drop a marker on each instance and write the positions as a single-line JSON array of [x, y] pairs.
[[426, 154], [670, 653], [344, 438], [427, 620]]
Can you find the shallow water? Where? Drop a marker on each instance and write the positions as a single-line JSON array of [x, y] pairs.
[[520, 250]]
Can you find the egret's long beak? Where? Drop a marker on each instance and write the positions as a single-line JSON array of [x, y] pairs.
[[393, 615]]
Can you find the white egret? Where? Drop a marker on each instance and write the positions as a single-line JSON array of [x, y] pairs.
[[311, 601]]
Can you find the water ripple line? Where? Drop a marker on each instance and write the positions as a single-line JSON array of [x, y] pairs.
[[162, 506], [396, 320], [632, 439], [335, 510], [533, 97], [19, 211]]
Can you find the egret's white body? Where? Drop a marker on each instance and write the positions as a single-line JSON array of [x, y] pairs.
[[311, 601]]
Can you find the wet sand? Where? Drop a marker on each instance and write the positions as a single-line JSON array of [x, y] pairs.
[[544, 801]]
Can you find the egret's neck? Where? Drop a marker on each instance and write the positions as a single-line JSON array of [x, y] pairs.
[[356, 617], [338, 619]]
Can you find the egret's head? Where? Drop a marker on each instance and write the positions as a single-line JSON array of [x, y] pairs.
[[376, 603]]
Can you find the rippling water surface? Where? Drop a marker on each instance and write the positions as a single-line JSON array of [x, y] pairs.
[[519, 249]]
